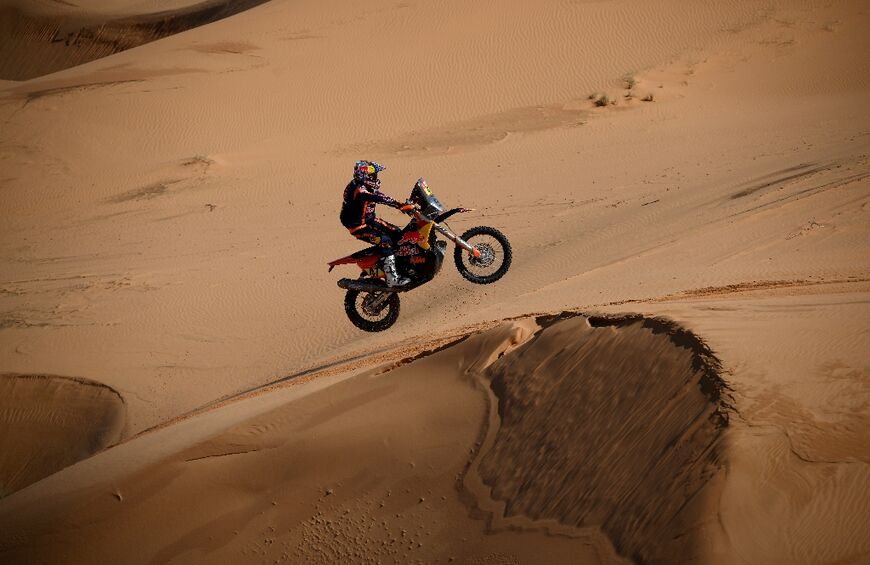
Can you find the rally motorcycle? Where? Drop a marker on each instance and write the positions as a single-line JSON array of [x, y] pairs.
[[482, 255]]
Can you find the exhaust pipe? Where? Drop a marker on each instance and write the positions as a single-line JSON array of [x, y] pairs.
[[368, 286]]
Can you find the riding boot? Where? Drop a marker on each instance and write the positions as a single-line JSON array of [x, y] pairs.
[[392, 276]]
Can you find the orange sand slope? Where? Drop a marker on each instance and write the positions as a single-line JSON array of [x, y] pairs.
[[43, 36], [167, 212], [425, 456], [49, 423]]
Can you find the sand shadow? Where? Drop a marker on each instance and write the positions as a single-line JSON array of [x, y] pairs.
[[50, 422], [613, 424], [34, 45]]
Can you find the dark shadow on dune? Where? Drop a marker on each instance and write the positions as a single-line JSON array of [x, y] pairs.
[[49, 422], [703, 359], [42, 93], [610, 423], [32, 46]]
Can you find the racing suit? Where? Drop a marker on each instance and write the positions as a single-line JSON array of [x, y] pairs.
[[358, 216]]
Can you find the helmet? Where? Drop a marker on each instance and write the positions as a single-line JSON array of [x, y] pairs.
[[367, 173]]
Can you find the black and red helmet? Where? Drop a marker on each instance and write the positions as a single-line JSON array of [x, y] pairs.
[[367, 173]]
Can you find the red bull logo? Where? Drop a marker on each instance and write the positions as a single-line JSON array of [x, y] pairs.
[[420, 237], [411, 237]]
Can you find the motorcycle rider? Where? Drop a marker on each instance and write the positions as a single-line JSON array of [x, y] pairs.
[[358, 215]]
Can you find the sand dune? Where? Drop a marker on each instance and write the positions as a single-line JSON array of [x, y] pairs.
[[49, 423], [40, 38], [564, 449], [408, 494], [167, 212]]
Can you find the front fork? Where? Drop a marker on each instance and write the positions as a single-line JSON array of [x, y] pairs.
[[457, 240]]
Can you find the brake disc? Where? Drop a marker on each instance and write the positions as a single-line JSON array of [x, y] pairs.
[[487, 256]]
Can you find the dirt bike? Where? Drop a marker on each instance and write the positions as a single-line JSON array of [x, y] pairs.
[[482, 255]]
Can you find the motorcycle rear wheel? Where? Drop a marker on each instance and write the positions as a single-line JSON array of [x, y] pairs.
[[367, 319], [495, 259]]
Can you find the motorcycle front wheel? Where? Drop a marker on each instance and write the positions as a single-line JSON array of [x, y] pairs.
[[495, 255], [372, 311]]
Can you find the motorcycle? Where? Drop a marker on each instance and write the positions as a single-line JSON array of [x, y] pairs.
[[482, 255]]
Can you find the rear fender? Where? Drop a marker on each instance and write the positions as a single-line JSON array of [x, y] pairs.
[[369, 262], [365, 259], [343, 261]]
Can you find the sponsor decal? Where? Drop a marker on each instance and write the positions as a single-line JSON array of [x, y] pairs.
[[417, 260], [407, 250], [420, 237], [411, 237]]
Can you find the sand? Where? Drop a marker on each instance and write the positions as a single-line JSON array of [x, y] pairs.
[[49, 423], [425, 442], [44, 36], [168, 211]]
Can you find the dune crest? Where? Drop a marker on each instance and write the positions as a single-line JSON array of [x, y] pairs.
[[49, 422], [34, 43], [610, 422], [607, 436]]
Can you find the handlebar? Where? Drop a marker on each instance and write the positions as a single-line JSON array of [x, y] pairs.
[[411, 209]]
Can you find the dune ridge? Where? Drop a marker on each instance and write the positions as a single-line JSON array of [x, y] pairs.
[[609, 422], [34, 43], [425, 486], [50, 422]]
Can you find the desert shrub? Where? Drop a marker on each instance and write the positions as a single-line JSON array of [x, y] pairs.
[[601, 100]]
